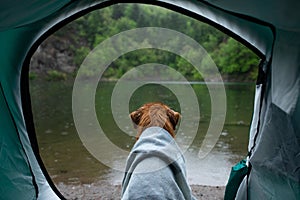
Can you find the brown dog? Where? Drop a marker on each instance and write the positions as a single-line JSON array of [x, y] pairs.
[[155, 114], [155, 167]]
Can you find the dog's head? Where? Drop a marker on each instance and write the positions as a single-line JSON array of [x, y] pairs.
[[155, 114]]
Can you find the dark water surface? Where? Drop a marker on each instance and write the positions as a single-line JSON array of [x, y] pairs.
[[68, 161]]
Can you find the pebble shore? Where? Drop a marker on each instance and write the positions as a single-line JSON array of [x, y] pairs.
[[107, 191]]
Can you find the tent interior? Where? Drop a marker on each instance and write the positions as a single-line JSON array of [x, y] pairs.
[[272, 29]]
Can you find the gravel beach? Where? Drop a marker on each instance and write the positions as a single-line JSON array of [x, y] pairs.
[[107, 191]]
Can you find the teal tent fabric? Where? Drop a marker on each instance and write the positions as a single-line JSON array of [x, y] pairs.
[[21, 13], [237, 174], [270, 28], [15, 169]]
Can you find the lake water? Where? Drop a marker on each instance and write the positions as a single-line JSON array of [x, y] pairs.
[[69, 162]]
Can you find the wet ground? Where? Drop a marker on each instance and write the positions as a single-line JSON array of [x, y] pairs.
[[106, 191]]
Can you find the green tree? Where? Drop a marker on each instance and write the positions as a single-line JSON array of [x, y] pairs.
[[233, 58]]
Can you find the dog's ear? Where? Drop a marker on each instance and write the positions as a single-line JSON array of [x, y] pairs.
[[174, 117], [135, 117]]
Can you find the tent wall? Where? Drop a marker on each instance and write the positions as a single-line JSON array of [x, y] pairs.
[[14, 46], [25, 23], [275, 161], [283, 15], [15, 168]]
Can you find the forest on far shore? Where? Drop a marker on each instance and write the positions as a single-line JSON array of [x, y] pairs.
[[62, 53]]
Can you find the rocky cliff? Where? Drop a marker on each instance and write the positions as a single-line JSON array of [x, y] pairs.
[[55, 53]]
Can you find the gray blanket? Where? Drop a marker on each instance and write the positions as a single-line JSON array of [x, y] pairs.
[[155, 169]]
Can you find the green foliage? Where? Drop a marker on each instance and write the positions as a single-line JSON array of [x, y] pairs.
[[32, 75], [54, 75], [232, 57], [80, 53], [87, 32]]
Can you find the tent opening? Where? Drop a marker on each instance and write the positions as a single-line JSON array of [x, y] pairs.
[[53, 70]]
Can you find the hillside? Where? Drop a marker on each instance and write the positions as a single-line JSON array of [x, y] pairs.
[[62, 53]]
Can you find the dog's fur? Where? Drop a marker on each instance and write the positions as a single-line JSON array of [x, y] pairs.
[[155, 114]]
